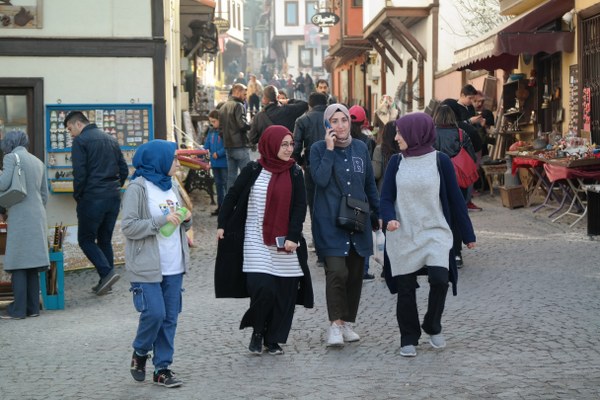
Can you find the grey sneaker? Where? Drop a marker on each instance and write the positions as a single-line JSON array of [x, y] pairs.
[[106, 283], [437, 341], [408, 351]]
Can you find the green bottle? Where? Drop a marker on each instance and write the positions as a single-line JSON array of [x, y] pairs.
[[167, 229]]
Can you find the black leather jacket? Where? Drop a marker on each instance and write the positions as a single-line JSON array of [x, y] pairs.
[[233, 123], [99, 168], [447, 141], [309, 129]]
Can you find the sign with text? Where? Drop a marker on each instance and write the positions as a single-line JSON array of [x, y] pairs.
[[325, 19]]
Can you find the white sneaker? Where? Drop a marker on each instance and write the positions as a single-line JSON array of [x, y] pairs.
[[437, 341], [348, 334], [408, 351], [334, 336]]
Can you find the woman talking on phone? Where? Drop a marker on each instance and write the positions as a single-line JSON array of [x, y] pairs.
[[341, 167], [261, 251]]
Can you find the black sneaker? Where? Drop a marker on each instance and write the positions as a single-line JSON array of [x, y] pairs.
[[95, 288], [459, 261], [106, 283], [256, 343], [166, 378], [274, 349], [138, 366], [215, 212], [368, 277]]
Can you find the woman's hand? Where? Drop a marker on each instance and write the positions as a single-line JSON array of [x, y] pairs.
[[471, 245], [392, 225], [290, 246], [330, 139], [220, 233], [173, 218]]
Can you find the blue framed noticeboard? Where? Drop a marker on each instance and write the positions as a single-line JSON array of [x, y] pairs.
[[130, 124]]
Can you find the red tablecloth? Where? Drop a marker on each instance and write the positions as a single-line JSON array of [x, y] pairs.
[[520, 162], [556, 172]]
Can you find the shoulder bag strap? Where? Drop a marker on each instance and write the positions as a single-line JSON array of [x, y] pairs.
[[337, 181]]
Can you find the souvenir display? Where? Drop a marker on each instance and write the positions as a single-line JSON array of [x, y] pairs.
[[130, 125]]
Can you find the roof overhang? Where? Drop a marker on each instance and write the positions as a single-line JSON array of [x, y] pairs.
[[348, 49], [395, 22], [500, 48]]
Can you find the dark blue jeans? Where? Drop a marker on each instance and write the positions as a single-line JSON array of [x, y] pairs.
[[96, 222], [220, 175], [159, 305]]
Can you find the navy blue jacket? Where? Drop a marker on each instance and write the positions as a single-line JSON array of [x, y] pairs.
[[453, 206], [352, 165], [99, 168]]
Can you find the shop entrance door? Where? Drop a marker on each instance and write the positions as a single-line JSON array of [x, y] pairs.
[[21, 109]]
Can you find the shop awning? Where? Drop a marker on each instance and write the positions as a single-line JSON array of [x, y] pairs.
[[500, 48], [348, 49]]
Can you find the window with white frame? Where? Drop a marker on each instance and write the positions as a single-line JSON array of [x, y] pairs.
[[291, 13]]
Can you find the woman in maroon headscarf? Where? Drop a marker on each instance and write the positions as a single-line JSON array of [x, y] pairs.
[[261, 251], [420, 200]]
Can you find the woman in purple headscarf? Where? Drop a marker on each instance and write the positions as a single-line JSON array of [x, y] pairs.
[[420, 201]]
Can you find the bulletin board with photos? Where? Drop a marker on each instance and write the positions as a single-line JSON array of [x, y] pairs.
[[130, 124]]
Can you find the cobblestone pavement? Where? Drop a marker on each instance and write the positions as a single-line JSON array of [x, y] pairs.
[[525, 325]]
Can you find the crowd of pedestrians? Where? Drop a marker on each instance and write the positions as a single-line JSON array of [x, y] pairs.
[[315, 154]]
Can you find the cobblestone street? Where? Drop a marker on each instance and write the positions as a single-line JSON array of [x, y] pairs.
[[525, 325]]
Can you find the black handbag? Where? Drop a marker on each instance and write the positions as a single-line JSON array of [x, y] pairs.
[[353, 214]]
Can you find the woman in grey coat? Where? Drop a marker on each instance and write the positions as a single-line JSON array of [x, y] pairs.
[[27, 229]]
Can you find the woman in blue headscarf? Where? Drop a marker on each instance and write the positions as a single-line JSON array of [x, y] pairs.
[[155, 263]]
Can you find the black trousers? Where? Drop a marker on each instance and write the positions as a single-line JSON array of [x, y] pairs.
[[406, 308], [343, 285], [272, 303], [26, 289]]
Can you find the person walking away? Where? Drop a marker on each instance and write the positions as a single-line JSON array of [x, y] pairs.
[[263, 254], [99, 172], [341, 159], [469, 121], [218, 158], [27, 229], [155, 261], [448, 141], [255, 90], [234, 128], [358, 131], [308, 130], [384, 151], [276, 112], [420, 200]]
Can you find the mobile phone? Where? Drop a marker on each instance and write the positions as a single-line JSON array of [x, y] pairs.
[[280, 242], [327, 124]]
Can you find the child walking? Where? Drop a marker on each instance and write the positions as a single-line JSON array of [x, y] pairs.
[[218, 160]]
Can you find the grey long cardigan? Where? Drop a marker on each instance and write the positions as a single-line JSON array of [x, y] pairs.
[[27, 236]]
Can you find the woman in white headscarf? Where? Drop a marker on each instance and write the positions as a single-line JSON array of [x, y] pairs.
[[341, 166]]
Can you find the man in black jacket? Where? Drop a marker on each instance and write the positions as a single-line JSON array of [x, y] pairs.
[[99, 172], [308, 130], [276, 112]]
